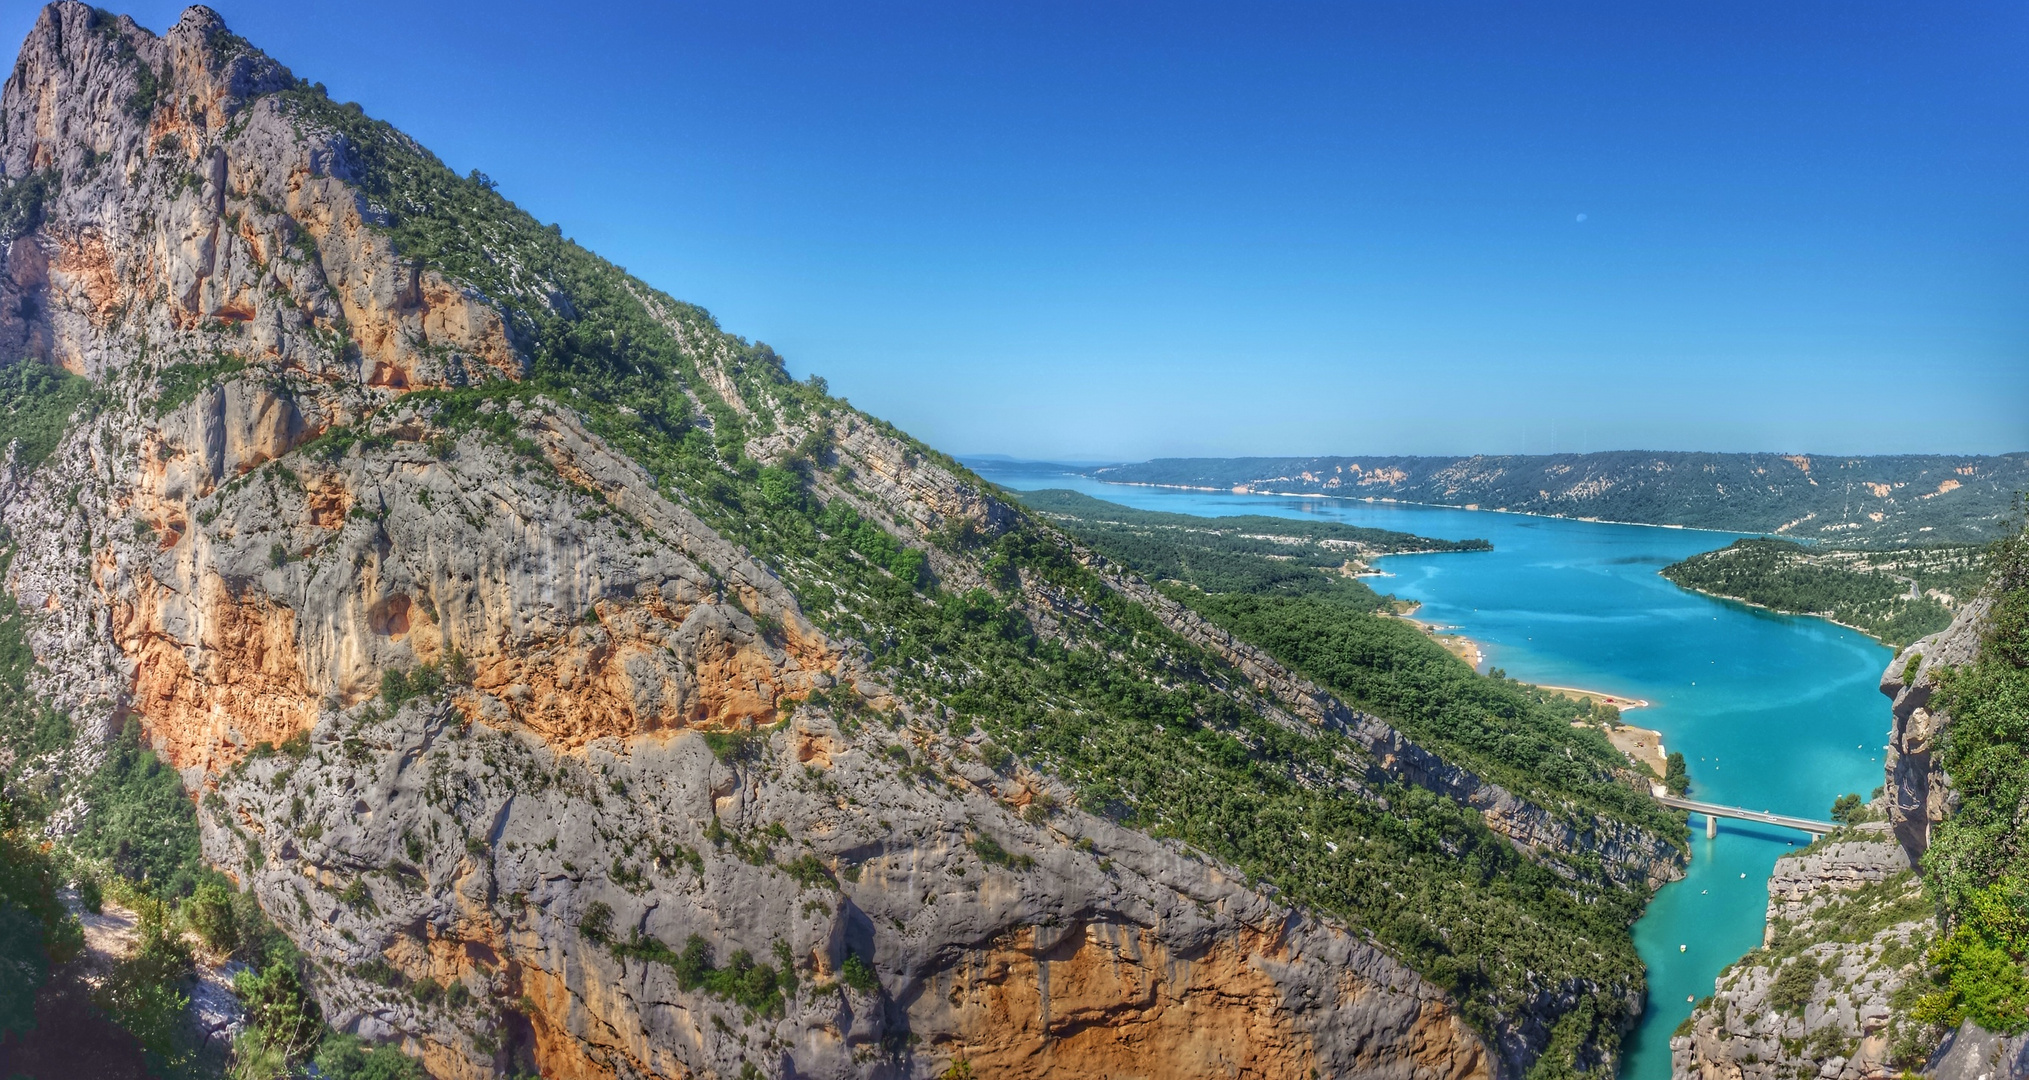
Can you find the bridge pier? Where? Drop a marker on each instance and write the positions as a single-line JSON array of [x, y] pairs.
[[1711, 827]]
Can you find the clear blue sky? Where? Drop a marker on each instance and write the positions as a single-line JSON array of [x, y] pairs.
[[1127, 230]]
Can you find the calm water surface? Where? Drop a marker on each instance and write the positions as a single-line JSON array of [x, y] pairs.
[[1773, 712]]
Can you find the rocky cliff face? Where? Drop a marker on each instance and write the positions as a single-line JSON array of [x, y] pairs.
[[1918, 793], [1847, 927], [1830, 992], [537, 765]]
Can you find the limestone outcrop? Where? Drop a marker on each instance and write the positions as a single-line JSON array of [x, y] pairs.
[[1918, 793], [1848, 924]]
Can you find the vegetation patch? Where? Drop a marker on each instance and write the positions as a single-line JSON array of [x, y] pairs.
[[1869, 590], [37, 402]]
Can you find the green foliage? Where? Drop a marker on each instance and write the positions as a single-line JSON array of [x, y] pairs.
[[752, 985], [859, 974], [732, 746], [1849, 809], [36, 403], [397, 688], [1977, 866], [283, 1023], [1508, 733], [147, 992], [989, 851], [348, 1057], [138, 819], [809, 871], [597, 922], [21, 200], [1248, 553], [36, 932], [1862, 589], [1676, 774], [1794, 984], [209, 912], [183, 382]]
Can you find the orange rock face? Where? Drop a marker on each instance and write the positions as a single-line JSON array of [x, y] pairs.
[[248, 685]]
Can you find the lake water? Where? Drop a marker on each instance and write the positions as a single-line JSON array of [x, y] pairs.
[[1773, 712]]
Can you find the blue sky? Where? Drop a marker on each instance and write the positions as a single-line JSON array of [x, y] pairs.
[[1130, 230]]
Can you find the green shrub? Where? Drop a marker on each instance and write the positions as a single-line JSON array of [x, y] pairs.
[[36, 404], [1977, 868], [209, 912], [36, 932], [1794, 985], [146, 993], [348, 1057], [282, 1022], [139, 821], [859, 975]]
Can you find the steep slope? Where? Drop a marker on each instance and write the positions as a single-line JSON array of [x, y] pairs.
[[1904, 944], [524, 634], [1876, 501]]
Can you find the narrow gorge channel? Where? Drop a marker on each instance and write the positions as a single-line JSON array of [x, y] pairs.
[[1772, 711]]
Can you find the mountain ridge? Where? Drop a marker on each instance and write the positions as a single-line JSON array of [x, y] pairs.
[[1872, 500], [514, 628]]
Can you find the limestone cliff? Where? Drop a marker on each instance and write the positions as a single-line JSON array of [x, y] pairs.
[[1835, 990], [1824, 996], [567, 690], [1918, 792]]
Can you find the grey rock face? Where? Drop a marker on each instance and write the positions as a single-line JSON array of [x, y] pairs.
[[1816, 999], [1919, 794]]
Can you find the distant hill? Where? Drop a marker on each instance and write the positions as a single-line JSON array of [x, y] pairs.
[[1870, 501]]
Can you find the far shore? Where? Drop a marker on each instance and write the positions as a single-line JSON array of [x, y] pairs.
[[1474, 507]]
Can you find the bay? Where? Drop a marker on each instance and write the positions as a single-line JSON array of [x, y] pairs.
[[1772, 712]]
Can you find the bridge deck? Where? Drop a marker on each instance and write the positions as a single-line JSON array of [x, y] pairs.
[[1738, 814]]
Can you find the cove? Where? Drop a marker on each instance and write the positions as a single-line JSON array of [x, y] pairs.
[[1772, 712]]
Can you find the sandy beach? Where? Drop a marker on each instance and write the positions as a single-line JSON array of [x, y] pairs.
[[1458, 645], [1598, 697], [1640, 745]]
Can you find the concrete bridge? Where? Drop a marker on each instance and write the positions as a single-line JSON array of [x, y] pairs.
[[1714, 811]]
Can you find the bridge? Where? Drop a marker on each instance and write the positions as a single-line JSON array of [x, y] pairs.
[[1714, 810]]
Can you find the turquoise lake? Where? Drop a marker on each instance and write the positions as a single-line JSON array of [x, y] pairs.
[[1773, 712]]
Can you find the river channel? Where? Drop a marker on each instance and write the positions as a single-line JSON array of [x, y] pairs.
[[1772, 712]]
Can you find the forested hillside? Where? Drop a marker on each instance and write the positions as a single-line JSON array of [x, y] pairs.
[[1874, 501], [1266, 581], [520, 673], [1895, 595]]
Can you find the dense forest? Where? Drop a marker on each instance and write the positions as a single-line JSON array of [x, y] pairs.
[[1873, 501], [1249, 575], [1895, 595]]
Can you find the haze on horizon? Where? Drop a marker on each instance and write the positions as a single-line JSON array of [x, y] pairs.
[[1076, 232]]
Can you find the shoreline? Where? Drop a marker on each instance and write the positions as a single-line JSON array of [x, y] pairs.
[[1458, 645], [1600, 697], [1644, 746], [1742, 601], [1474, 507]]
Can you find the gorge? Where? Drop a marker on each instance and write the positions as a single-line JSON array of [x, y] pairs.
[[466, 654]]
